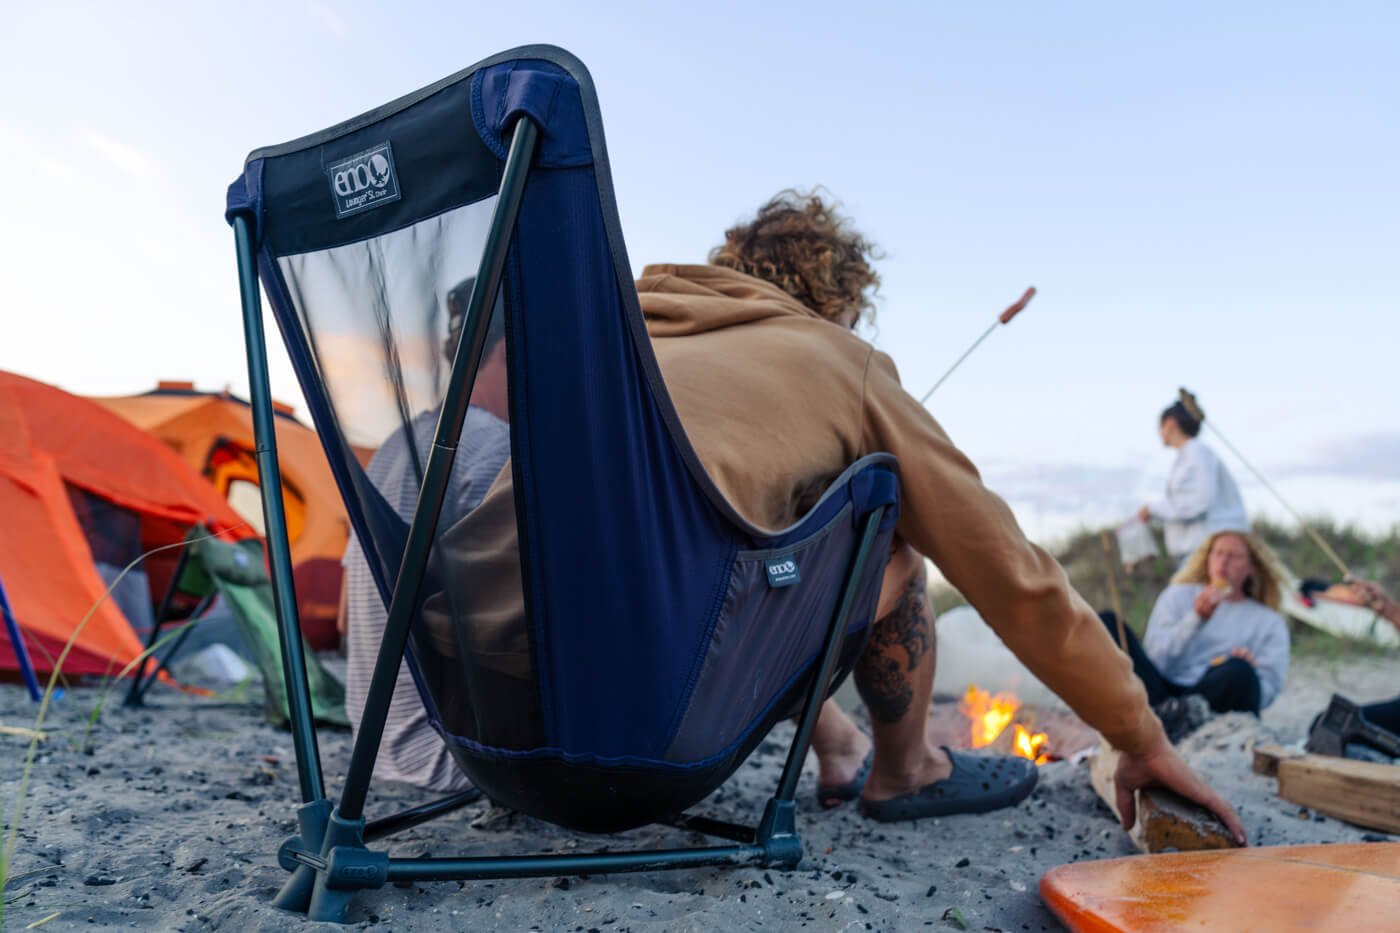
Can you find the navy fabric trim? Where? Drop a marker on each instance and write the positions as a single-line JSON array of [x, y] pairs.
[[244, 196], [536, 89]]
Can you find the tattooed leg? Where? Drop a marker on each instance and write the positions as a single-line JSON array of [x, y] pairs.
[[894, 677], [899, 643]]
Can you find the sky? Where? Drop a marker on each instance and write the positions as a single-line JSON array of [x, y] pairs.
[[1205, 195]]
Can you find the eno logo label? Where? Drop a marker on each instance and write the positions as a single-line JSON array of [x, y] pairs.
[[365, 180], [782, 571]]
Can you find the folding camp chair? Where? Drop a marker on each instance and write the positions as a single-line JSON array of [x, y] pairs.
[[208, 568], [662, 635]]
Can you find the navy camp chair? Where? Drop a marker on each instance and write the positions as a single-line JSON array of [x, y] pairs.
[[662, 635]]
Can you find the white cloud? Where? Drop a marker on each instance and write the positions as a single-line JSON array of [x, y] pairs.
[[122, 156], [1363, 456]]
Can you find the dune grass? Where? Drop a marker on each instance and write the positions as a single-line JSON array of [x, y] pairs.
[[9, 830]]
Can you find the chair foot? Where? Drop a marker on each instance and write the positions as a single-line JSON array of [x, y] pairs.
[[777, 833], [349, 867], [311, 828]]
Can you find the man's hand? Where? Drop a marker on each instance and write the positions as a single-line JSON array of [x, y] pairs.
[[1244, 653], [1207, 600], [1161, 766]]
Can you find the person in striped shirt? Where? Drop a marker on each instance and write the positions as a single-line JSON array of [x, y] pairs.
[[411, 749]]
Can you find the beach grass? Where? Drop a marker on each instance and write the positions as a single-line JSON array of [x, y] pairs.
[[9, 829]]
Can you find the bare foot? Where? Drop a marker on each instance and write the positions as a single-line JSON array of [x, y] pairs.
[[929, 763], [839, 762]]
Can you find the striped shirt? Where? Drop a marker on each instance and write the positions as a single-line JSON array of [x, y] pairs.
[[411, 750]]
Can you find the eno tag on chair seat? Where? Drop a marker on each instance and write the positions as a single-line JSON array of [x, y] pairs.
[[782, 571]]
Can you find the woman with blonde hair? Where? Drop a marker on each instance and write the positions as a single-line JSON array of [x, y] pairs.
[[1216, 630]]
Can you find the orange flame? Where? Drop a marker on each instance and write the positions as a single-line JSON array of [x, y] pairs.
[[1028, 746], [990, 715]]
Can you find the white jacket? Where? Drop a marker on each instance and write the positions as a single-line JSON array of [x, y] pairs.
[[1202, 498]]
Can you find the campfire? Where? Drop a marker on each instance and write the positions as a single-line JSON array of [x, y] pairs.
[[989, 717]]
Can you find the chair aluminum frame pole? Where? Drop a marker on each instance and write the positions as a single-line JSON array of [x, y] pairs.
[[275, 521]]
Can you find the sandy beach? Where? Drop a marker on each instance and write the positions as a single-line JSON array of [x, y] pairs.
[[169, 817]]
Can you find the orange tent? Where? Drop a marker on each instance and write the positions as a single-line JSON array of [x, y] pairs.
[[213, 433], [58, 451]]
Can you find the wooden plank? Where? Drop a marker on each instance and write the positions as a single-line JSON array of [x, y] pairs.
[[1267, 757], [1362, 792]]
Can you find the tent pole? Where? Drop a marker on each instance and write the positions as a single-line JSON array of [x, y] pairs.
[[26, 669], [275, 521]]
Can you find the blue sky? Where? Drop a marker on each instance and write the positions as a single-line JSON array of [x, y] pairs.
[[1204, 197]]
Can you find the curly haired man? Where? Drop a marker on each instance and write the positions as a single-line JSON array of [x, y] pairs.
[[771, 317]]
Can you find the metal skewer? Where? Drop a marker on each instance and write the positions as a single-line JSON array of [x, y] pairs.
[[1003, 318]]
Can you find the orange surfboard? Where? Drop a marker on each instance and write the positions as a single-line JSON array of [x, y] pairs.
[[1351, 888]]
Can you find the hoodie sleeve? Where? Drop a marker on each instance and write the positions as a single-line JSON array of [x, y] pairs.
[[1171, 625], [1271, 657], [947, 514], [1190, 488]]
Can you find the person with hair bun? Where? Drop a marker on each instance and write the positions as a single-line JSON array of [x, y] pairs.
[[1202, 497]]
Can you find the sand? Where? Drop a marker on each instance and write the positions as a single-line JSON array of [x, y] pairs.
[[169, 817]]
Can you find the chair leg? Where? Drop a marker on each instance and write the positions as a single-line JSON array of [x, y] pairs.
[[777, 831], [275, 521], [137, 693], [144, 682]]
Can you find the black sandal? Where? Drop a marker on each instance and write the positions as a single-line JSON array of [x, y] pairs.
[[979, 783]]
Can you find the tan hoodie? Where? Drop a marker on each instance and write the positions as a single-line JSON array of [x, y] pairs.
[[777, 402]]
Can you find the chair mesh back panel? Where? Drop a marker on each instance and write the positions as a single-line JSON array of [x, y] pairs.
[[590, 600]]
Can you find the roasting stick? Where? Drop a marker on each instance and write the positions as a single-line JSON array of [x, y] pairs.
[[1189, 401], [1113, 590], [1003, 318]]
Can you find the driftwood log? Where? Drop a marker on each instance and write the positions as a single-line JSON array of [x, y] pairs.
[[1365, 793], [1165, 820]]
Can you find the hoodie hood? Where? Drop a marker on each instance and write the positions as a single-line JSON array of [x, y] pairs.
[[682, 300]]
